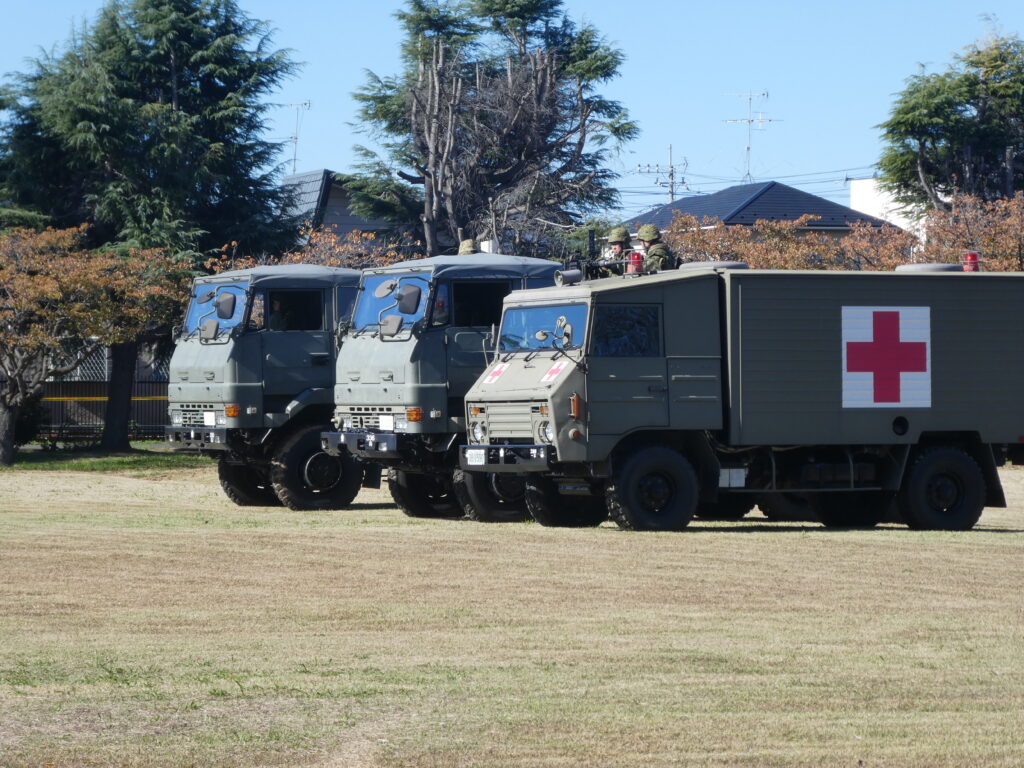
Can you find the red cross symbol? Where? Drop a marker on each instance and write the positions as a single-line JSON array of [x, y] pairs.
[[886, 356]]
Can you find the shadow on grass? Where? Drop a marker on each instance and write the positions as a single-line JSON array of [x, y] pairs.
[[105, 461]]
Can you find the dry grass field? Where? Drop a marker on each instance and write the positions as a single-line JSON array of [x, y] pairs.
[[146, 621]]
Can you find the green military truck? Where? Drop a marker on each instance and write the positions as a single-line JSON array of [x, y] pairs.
[[696, 391], [251, 383], [417, 341]]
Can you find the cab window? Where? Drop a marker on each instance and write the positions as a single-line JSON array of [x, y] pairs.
[[290, 311], [470, 302], [626, 331]]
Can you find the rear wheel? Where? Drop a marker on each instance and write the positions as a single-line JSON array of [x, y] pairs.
[[655, 489], [550, 508], [851, 509], [245, 486], [422, 495], [490, 497], [306, 477], [944, 490]]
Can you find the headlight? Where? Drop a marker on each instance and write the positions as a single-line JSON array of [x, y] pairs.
[[176, 418], [221, 419], [547, 432], [401, 425], [477, 431]]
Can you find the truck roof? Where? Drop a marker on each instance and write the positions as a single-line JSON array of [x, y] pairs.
[[607, 285], [476, 265], [288, 274]]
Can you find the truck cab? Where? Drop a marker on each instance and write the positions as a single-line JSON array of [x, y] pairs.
[[417, 341], [251, 383]]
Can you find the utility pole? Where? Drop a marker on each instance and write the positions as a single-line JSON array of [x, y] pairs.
[[670, 173], [751, 121], [294, 138]]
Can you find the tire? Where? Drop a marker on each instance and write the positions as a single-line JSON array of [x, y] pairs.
[[305, 477], [851, 509], [245, 486], [944, 490], [422, 495], [655, 489], [730, 506], [786, 507], [553, 510], [490, 497]]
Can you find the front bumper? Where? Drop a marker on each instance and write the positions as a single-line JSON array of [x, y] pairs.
[[370, 446], [505, 458], [197, 438]]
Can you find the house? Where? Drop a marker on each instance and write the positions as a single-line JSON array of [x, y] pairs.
[[745, 204], [323, 202]]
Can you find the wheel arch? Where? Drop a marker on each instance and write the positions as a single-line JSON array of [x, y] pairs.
[[693, 445], [971, 444]]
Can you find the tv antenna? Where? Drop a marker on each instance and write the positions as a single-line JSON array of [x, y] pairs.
[[294, 138], [670, 174], [751, 121]]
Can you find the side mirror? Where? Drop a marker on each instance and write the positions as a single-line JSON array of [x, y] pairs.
[[390, 326], [409, 299], [225, 305], [541, 335], [205, 296], [566, 335], [209, 329]]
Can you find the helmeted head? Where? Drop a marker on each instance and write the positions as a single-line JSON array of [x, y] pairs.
[[649, 233], [467, 247], [618, 235]]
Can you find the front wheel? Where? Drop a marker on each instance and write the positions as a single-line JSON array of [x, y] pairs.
[[422, 495], [551, 509], [490, 497], [655, 489], [943, 490], [245, 486], [306, 477]]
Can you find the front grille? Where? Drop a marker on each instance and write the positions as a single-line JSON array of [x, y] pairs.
[[365, 416], [509, 420], [192, 413]]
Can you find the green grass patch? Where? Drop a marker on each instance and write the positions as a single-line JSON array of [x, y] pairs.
[[144, 457]]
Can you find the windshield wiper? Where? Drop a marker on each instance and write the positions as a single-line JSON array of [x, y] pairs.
[[559, 351]]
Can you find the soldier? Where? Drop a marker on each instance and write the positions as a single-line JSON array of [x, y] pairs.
[[659, 256], [619, 240]]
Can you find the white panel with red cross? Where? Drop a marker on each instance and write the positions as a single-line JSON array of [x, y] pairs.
[[887, 357]]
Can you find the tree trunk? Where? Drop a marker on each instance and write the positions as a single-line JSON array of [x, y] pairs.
[[123, 360], [8, 418]]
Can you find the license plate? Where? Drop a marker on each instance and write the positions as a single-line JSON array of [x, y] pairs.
[[476, 457], [387, 423], [209, 419]]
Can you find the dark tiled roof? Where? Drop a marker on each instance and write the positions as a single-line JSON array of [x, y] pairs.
[[747, 203], [311, 190]]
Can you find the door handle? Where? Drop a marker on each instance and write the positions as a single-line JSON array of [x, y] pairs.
[[320, 358]]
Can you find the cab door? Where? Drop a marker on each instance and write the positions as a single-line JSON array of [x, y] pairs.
[[627, 385], [297, 347], [475, 306]]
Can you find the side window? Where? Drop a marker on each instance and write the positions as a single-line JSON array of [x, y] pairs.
[[258, 312], [295, 311], [442, 302], [626, 331], [477, 302]]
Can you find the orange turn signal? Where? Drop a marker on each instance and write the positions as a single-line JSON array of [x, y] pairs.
[[414, 414], [575, 405], [231, 411]]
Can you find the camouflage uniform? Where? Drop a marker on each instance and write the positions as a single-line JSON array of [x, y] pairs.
[[658, 256]]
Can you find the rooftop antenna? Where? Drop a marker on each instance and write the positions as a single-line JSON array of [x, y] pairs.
[[751, 121], [294, 138], [670, 173]]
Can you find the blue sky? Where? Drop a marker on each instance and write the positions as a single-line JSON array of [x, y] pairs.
[[830, 70]]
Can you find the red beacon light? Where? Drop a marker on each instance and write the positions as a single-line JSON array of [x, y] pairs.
[[636, 263], [971, 262]]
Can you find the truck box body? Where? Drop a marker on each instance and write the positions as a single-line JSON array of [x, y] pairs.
[[941, 352]]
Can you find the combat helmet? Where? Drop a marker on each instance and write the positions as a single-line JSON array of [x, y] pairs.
[[649, 233], [619, 235]]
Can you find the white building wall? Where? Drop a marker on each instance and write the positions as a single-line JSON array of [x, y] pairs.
[[867, 197]]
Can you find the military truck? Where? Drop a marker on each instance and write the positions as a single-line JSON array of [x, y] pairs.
[[697, 391], [417, 341], [251, 383]]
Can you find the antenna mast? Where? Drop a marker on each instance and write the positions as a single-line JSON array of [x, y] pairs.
[[294, 138], [751, 121], [670, 173]]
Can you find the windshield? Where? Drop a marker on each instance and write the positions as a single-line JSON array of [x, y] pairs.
[[559, 326], [379, 298], [203, 305]]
